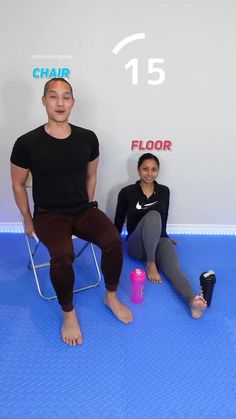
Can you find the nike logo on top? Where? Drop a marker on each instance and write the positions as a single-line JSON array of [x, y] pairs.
[[141, 206]]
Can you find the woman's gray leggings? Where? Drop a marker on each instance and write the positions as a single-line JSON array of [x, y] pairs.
[[146, 244]]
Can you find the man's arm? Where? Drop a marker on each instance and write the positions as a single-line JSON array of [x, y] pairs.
[[91, 178], [19, 177]]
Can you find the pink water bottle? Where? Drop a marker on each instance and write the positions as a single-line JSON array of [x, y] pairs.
[[138, 277]]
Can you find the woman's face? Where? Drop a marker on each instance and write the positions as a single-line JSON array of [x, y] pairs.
[[148, 170]]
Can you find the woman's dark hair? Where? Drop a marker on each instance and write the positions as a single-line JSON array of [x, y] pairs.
[[148, 156]]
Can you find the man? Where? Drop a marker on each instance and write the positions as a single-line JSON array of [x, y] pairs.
[[63, 160]]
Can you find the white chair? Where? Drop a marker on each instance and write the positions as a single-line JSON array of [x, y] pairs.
[[33, 245]]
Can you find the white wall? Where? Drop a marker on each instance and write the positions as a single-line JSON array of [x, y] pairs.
[[194, 107]]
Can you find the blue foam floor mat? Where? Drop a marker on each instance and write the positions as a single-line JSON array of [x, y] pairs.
[[164, 365]]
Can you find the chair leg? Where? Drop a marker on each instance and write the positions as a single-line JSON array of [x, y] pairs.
[[97, 268], [34, 267]]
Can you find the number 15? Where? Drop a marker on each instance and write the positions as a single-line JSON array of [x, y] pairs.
[[152, 68]]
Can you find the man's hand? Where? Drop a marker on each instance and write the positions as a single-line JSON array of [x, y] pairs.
[[28, 226]]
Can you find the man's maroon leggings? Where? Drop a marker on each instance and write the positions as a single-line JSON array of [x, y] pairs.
[[55, 232]]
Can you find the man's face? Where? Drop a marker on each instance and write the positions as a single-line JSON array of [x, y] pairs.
[[58, 101]]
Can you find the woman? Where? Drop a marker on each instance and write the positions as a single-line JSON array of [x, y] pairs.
[[145, 206]]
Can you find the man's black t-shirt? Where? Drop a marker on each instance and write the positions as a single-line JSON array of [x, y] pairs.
[[133, 205], [58, 167]]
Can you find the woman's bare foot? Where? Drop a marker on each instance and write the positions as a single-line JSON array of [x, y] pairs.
[[70, 332], [119, 310], [198, 306], [153, 274]]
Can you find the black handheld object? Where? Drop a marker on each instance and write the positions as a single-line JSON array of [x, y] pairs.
[[207, 281]]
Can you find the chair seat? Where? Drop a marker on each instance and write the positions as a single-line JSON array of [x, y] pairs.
[[33, 249]]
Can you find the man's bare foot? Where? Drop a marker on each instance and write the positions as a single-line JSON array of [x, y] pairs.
[[70, 332], [153, 274], [198, 306], [119, 310]]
